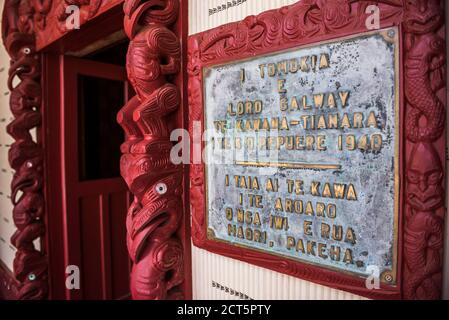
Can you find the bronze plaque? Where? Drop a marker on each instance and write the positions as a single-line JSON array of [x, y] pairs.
[[302, 153]]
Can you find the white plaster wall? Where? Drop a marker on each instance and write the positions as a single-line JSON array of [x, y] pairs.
[[257, 283], [7, 251]]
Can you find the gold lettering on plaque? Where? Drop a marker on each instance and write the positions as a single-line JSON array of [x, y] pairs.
[[312, 135]]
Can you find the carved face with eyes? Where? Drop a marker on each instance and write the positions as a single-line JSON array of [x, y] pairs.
[[423, 16], [424, 179]]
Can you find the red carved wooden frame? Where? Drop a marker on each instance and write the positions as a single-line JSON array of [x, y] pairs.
[[422, 104], [158, 237]]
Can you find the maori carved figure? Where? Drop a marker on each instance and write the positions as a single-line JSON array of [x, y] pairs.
[[424, 76], [154, 218], [425, 56], [25, 155]]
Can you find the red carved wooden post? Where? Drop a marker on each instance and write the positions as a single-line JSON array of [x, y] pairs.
[[423, 106], [425, 83], [155, 216], [25, 155]]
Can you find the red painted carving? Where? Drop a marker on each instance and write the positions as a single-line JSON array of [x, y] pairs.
[[88, 9], [311, 21], [155, 216], [25, 155], [32, 14], [425, 66]]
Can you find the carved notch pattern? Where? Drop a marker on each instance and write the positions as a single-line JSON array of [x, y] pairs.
[[155, 216], [311, 21], [25, 155], [425, 67]]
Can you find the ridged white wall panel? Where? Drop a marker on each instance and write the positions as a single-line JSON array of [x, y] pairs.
[[446, 251], [257, 283], [7, 251]]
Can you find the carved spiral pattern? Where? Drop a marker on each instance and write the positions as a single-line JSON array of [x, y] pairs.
[[25, 155], [155, 216]]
